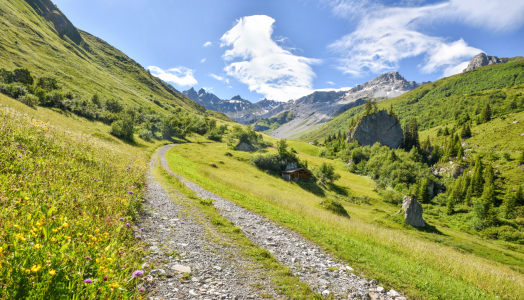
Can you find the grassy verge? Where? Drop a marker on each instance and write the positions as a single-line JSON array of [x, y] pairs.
[[284, 281], [375, 239]]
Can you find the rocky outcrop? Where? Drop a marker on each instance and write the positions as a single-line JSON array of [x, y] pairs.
[[413, 211], [377, 127], [61, 23], [244, 147], [481, 60]]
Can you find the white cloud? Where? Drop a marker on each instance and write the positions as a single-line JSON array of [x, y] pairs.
[[384, 36], [448, 55], [330, 82], [181, 75], [263, 65], [207, 44], [452, 70], [203, 60], [219, 78], [499, 15]]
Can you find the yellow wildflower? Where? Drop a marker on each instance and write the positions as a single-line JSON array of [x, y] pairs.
[[114, 285], [36, 268], [38, 246], [52, 272], [1, 249], [65, 225]]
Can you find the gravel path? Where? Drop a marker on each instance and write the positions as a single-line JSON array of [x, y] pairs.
[[326, 275], [182, 242]]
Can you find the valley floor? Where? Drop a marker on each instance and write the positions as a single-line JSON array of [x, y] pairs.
[[220, 273]]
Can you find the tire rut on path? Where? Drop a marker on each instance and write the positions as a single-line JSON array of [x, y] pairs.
[[325, 275], [183, 241]]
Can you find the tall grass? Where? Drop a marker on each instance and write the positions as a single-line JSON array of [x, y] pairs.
[[65, 208]]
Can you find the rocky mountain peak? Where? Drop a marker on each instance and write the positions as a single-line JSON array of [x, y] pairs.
[[481, 60], [237, 97], [201, 91]]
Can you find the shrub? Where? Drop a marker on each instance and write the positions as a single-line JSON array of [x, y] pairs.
[[47, 83], [392, 197], [326, 173], [506, 156], [23, 76], [335, 207], [114, 106], [29, 100], [269, 162], [123, 129], [147, 135], [13, 90]]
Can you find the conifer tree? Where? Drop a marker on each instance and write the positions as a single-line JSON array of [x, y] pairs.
[[414, 133], [392, 156], [426, 144], [509, 204], [368, 108], [424, 191], [460, 153], [477, 181], [450, 206], [485, 116], [469, 198], [519, 196], [521, 157]]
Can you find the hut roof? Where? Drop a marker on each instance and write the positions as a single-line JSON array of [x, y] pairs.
[[295, 170]]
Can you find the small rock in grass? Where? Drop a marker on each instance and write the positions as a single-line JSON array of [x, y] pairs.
[[158, 272], [325, 293], [380, 289], [393, 293], [219, 269], [192, 293]]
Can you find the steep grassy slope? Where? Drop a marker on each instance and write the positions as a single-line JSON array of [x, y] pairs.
[[270, 124], [441, 102], [66, 197], [45, 42]]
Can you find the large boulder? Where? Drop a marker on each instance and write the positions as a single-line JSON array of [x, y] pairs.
[[481, 60], [413, 211], [244, 147], [378, 127]]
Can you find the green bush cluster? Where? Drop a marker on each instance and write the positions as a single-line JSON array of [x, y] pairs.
[[125, 121], [277, 163]]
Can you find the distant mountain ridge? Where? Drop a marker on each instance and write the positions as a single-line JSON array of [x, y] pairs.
[[310, 111]]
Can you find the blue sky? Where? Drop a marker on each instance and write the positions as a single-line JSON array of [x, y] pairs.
[[286, 49]]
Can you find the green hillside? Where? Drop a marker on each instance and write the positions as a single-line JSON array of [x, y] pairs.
[[464, 135], [270, 124], [34, 34], [448, 99]]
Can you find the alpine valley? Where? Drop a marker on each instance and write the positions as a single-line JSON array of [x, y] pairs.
[[114, 184]]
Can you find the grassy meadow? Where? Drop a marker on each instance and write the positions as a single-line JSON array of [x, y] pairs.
[[438, 262], [68, 194]]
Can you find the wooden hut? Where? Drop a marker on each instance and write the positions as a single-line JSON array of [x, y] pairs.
[[296, 174]]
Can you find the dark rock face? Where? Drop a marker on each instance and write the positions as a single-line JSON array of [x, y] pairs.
[[377, 127], [413, 211], [481, 60], [62, 25]]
